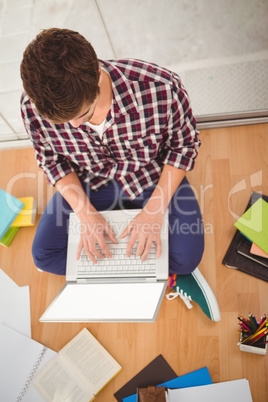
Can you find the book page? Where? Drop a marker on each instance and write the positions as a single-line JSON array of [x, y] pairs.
[[90, 361], [57, 383]]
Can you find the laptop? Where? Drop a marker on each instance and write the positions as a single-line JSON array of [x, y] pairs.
[[119, 289]]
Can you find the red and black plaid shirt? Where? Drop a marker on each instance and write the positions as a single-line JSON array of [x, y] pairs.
[[150, 123]]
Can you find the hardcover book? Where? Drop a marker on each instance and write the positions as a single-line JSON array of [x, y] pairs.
[[233, 259], [8, 237], [28, 213], [254, 224], [154, 373], [244, 248], [10, 208]]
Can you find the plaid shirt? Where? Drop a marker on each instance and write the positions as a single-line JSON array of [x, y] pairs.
[[150, 124]]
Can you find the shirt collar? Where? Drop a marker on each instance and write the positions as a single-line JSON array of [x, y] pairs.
[[124, 100]]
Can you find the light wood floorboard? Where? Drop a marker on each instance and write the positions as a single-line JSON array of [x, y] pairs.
[[230, 159]]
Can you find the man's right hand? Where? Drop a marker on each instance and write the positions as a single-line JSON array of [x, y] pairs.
[[93, 232], [93, 225]]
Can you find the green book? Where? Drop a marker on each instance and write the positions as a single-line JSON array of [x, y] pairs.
[[8, 237], [254, 224]]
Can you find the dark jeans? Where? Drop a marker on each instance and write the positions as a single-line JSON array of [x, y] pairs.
[[186, 234]]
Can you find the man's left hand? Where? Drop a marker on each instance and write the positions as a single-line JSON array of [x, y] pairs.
[[145, 228]]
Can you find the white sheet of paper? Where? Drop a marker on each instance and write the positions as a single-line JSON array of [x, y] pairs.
[[18, 357], [231, 391], [6, 281], [15, 309]]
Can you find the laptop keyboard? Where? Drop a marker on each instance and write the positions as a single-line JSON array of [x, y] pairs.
[[119, 265]]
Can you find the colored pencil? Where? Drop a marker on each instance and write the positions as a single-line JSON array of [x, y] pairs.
[[253, 333]]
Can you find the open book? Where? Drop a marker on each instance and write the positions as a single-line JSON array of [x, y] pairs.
[[79, 371]]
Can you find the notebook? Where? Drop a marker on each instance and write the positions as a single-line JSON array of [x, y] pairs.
[[254, 224], [21, 359], [233, 259], [193, 379], [10, 208], [112, 297], [28, 214], [258, 251], [244, 248], [156, 372], [231, 391]]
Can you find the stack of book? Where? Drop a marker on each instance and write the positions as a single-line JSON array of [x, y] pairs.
[[193, 386], [14, 213], [248, 251]]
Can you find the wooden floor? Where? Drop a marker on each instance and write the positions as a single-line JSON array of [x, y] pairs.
[[232, 163]]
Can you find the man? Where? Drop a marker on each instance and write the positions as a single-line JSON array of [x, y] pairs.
[[113, 134]]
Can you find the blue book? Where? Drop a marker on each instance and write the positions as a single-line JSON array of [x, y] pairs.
[[10, 208], [193, 379]]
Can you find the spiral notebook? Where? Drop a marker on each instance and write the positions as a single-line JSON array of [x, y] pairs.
[[21, 359]]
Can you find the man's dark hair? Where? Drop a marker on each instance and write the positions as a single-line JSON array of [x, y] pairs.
[[60, 73]]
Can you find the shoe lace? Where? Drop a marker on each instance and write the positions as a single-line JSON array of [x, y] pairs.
[[183, 295]]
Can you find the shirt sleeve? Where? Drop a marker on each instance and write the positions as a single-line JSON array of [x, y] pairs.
[[55, 166], [182, 142]]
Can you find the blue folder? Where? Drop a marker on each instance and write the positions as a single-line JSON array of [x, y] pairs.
[[193, 379]]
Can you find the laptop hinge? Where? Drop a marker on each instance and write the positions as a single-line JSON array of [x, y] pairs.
[[115, 280]]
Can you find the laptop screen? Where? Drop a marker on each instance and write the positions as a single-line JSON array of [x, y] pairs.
[[106, 302]]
